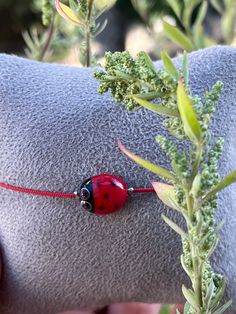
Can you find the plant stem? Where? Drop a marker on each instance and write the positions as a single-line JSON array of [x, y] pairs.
[[48, 40], [88, 34], [88, 49], [198, 161], [90, 8], [196, 263], [193, 205]]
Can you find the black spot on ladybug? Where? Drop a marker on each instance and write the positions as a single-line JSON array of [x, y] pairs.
[[106, 196], [101, 208], [116, 206]]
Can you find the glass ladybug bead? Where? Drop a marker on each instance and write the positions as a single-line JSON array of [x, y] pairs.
[[103, 194]]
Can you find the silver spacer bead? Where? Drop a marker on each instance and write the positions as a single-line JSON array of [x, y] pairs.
[[76, 193], [130, 190]]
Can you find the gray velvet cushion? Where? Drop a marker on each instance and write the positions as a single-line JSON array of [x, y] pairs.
[[56, 131]]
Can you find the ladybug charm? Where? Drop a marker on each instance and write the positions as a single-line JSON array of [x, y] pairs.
[[103, 194]]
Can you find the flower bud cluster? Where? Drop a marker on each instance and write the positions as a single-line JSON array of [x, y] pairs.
[[187, 257], [179, 160], [125, 77], [175, 127], [210, 166], [209, 108], [180, 196], [211, 99], [207, 276]]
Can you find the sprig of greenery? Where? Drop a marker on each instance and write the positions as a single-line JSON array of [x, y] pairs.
[[227, 10], [52, 40], [84, 14], [190, 36], [39, 44], [193, 180], [189, 31]]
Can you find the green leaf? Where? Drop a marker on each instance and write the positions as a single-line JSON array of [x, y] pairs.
[[177, 36], [174, 226], [166, 194], [184, 266], [190, 5], [147, 96], [224, 307], [67, 13], [209, 294], [100, 28], [217, 4], [175, 167], [123, 75], [218, 295], [163, 110], [228, 180], [28, 40], [198, 37], [185, 68], [101, 4], [73, 5], [196, 186], [190, 297], [188, 13], [186, 308], [175, 6], [165, 309], [162, 172], [201, 14], [199, 224], [188, 115], [213, 247], [169, 65], [148, 60]]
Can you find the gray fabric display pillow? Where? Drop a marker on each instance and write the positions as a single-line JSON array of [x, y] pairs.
[[56, 131]]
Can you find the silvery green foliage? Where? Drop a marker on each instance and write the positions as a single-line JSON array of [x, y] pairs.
[[51, 42], [45, 43], [194, 167], [84, 13]]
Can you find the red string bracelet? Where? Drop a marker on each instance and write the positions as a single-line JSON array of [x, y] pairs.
[[101, 194], [36, 192]]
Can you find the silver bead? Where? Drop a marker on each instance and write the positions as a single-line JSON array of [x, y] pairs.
[[76, 193], [130, 190]]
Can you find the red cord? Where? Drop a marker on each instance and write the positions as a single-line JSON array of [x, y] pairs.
[[143, 190], [59, 194], [37, 192]]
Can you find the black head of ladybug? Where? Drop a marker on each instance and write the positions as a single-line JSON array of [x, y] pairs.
[[86, 195]]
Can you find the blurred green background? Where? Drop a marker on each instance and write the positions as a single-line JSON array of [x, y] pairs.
[[16, 16], [132, 24]]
